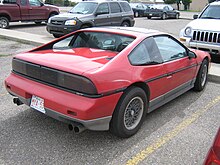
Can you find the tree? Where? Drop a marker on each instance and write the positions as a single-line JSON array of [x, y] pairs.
[[186, 4], [172, 2], [178, 4]]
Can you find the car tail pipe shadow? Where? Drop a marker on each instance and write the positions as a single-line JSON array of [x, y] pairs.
[[17, 101], [76, 127]]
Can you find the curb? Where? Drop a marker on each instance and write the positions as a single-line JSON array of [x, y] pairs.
[[214, 78], [34, 43]]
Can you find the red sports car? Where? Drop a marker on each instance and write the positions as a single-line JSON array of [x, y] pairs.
[[106, 78]]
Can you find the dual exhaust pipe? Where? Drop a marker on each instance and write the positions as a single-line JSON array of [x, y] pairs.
[[75, 127], [17, 101]]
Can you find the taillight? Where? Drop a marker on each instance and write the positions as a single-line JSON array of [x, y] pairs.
[[54, 77]]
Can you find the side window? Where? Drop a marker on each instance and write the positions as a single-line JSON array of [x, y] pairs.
[[170, 7], [34, 3], [23, 2], [9, 1], [103, 8], [145, 53], [169, 48], [125, 6], [115, 8]]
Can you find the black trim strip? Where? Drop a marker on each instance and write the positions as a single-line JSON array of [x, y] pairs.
[[72, 91], [106, 93], [170, 73]]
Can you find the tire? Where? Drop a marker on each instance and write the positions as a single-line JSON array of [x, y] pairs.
[[149, 17], [163, 16], [202, 75], [177, 16], [57, 35], [136, 14], [38, 22], [129, 113], [125, 24], [4, 23]]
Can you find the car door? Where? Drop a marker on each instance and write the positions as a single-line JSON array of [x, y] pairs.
[[37, 10], [179, 67], [24, 8], [171, 11], [116, 14], [102, 16], [149, 68]]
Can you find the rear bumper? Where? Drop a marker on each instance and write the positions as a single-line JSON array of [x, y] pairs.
[[92, 113]]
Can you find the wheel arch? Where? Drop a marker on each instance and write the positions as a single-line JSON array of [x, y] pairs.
[[5, 15], [143, 86]]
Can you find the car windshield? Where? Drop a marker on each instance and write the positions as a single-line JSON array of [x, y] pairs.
[[211, 12], [96, 40], [84, 8]]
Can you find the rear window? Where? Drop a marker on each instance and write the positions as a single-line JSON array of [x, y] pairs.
[[96, 40], [125, 6], [115, 8]]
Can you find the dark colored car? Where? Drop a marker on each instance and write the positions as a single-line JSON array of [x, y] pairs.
[[138, 9], [213, 157], [106, 78], [26, 11], [89, 14], [162, 11]]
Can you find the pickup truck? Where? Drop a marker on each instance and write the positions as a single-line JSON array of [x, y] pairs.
[[25, 10]]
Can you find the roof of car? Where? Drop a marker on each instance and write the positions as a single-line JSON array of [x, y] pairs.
[[135, 31], [215, 3]]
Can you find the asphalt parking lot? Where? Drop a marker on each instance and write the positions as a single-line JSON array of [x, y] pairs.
[[180, 132]]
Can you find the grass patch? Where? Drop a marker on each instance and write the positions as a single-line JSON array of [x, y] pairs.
[[5, 55]]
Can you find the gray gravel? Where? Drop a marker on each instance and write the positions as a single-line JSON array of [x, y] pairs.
[[12, 47]]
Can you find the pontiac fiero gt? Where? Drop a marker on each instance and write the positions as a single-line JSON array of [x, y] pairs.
[[106, 78]]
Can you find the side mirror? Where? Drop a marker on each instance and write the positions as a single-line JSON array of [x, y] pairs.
[[41, 4], [191, 55], [195, 16]]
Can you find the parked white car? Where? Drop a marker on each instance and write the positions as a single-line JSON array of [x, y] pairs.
[[204, 32]]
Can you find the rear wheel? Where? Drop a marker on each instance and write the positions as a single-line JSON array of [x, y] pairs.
[[177, 16], [201, 78], [163, 16], [4, 23], [129, 113], [136, 14], [125, 24]]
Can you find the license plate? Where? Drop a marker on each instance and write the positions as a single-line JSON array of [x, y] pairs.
[[37, 103], [150, 14]]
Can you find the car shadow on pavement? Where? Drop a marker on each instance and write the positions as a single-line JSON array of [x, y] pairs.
[[31, 137], [28, 25]]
